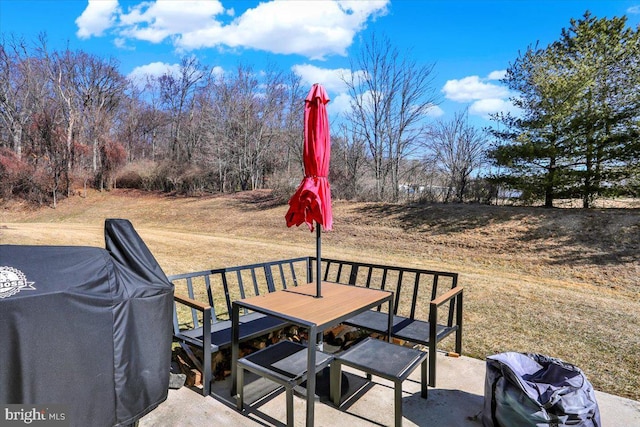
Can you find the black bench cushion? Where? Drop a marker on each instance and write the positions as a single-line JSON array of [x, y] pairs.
[[403, 327], [251, 325]]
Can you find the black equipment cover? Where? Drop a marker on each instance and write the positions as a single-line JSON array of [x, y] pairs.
[[526, 389], [86, 328]]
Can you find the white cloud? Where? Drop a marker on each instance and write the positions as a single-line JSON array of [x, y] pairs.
[[155, 69], [485, 107], [435, 111], [331, 79], [217, 71], [472, 88], [483, 96], [159, 20], [121, 43], [340, 104], [314, 29], [98, 16], [634, 10], [497, 75]]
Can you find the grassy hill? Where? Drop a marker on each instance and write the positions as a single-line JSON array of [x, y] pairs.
[[562, 282]]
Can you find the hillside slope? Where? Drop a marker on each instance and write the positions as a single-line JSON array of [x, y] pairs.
[[562, 282]]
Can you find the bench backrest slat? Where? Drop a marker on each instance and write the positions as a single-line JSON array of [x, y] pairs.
[[220, 287], [416, 291], [225, 288], [267, 270], [281, 271], [398, 291], [452, 307], [207, 283], [194, 312], [413, 287]]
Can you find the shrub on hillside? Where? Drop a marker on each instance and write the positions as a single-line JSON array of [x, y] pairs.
[[10, 167], [167, 176], [19, 179], [141, 175], [283, 186]]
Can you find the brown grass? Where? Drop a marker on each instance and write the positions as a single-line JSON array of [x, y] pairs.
[[562, 282]]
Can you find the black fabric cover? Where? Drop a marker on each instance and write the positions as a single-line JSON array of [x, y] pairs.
[[89, 328]]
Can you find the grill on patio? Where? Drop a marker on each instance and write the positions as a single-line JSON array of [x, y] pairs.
[[86, 329]]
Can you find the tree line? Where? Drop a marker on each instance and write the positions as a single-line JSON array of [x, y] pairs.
[[71, 120]]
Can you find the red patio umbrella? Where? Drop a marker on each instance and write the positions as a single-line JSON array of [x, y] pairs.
[[312, 200]]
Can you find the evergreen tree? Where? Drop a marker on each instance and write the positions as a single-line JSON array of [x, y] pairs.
[[577, 134], [605, 54]]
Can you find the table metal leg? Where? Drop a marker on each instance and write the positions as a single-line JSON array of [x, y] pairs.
[[397, 403], [311, 375], [289, 394], [235, 346], [390, 320], [423, 380], [335, 382], [240, 399]]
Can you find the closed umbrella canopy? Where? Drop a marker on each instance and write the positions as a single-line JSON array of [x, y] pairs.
[[312, 200]]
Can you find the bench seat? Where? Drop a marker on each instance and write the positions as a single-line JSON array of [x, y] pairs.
[[252, 325], [427, 303], [413, 330]]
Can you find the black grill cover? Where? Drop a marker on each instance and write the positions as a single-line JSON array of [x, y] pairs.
[[86, 328]]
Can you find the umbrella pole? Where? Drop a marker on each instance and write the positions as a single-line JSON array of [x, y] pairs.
[[318, 260], [319, 341]]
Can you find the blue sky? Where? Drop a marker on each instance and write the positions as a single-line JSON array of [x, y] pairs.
[[470, 42]]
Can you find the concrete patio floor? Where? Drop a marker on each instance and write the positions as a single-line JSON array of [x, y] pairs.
[[455, 402]]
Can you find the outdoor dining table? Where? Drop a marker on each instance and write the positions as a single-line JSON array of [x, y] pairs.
[[301, 306]]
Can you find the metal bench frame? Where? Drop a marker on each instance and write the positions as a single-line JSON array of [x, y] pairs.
[[209, 325], [440, 288], [209, 328]]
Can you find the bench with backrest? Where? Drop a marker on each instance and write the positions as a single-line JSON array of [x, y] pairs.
[[427, 304], [202, 306]]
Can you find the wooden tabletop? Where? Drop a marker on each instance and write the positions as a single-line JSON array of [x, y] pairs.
[[337, 302]]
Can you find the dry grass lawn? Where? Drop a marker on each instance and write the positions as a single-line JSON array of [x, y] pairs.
[[562, 282]]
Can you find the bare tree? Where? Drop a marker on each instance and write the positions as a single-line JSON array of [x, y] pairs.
[[390, 96], [177, 96], [138, 121], [250, 118], [100, 88], [271, 116], [48, 131], [458, 149], [348, 159], [292, 126], [64, 75], [22, 88]]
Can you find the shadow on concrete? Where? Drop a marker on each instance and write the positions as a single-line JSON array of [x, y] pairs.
[[444, 407]]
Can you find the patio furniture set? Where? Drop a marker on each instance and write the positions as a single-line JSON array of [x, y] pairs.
[[222, 308]]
